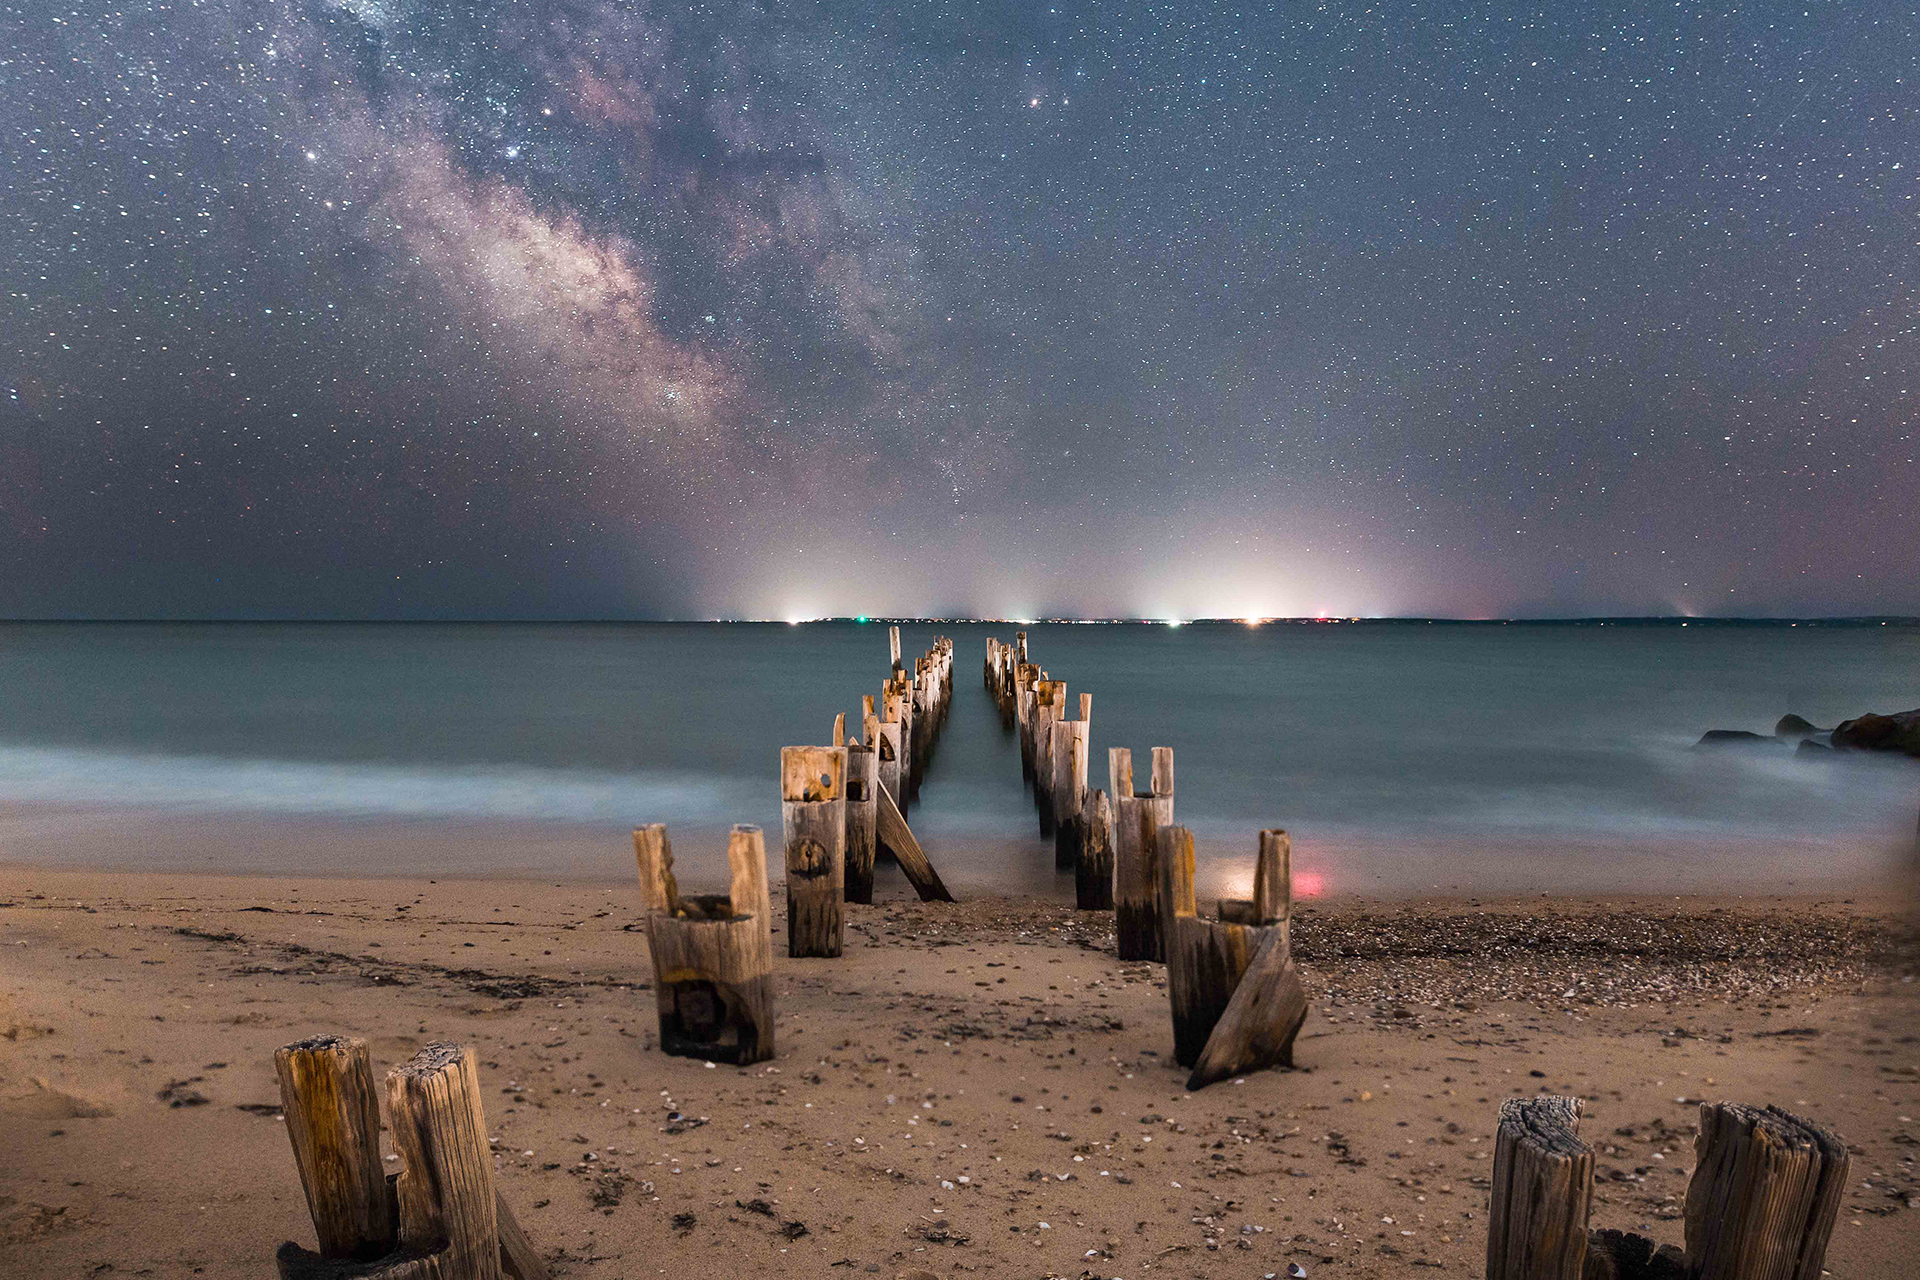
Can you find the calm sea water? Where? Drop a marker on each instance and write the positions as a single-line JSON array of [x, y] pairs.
[[1404, 758]]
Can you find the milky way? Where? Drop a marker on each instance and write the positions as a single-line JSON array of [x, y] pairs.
[[385, 308]]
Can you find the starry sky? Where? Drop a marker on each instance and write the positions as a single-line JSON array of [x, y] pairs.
[[585, 308]]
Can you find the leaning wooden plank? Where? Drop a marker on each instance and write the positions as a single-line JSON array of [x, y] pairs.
[[894, 835], [1542, 1192], [1257, 1028], [1765, 1192], [517, 1258]]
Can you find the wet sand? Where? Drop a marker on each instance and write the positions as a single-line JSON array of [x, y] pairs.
[[980, 1089]]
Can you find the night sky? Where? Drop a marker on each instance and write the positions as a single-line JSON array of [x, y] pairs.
[[383, 308]]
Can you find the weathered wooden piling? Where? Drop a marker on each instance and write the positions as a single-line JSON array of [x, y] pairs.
[[333, 1119], [1049, 706], [1765, 1194], [898, 839], [897, 706], [813, 812], [1093, 869], [863, 816], [1026, 688], [712, 954], [440, 1217], [1069, 783], [1542, 1192], [1761, 1204], [1139, 930], [1237, 1000]]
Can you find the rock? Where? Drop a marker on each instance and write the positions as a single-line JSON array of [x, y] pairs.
[[1792, 728], [1897, 732], [1734, 738], [1813, 747]]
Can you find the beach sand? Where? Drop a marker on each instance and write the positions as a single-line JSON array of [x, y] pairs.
[[980, 1089]]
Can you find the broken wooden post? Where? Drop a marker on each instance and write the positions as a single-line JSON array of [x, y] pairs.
[[840, 729], [440, 1217], [712, 954], [1093, 870], [863, 781], [1542, 1192], [813, 812], [1262, 1018], [1765, 1193], [333, 1120], [893, 835]]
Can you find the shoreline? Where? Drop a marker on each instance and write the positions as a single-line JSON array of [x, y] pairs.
[[996, 1040]]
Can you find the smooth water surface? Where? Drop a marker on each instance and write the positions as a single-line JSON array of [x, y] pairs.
[[1404, 757]]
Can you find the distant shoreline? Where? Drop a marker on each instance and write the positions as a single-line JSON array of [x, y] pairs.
[[1650, 620]]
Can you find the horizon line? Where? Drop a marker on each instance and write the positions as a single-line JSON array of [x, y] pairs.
[[983, 620]]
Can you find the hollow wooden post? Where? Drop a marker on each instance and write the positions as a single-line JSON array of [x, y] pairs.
[[813, 811], [1204, 959], [1093, 870], [863, 781], [1542, 1192], [712, 955], [1136, 879], [333, 1120], [1766, 1190], [1262, 1017]]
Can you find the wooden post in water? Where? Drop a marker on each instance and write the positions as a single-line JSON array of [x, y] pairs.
[[712, 954], [333, 1120], [1136, 879], [1069, 782], [1542, 1192], [1093, 870], [863, 784], [893, 648], [813, 812], [1025, 692], [1765, 1193], [1050, 704], [897, 706]]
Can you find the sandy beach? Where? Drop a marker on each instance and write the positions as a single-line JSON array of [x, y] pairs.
[[972, 1089]]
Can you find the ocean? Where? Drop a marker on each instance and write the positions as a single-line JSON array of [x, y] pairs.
[[1405, 758]]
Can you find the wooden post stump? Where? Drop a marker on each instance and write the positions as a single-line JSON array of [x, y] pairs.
[[1261, 1018], [1093, 870], [887, 743], [813, 812], [863, 816], [1542, 1192], [440, 1217], [1765, 1193], [712, 955]]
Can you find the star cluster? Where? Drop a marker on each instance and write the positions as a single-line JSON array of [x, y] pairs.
[[607, 307]]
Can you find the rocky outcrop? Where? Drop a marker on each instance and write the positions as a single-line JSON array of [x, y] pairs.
[[1735, 738], [1898, 732], [1792, 728]]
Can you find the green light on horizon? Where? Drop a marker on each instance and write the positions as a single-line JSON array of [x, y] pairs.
[[861, 618]]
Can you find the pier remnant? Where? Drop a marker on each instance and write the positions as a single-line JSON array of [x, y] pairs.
[[712, 954], [813, 815]]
